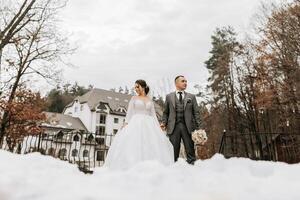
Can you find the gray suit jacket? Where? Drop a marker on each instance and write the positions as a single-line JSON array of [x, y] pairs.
[[191, 112]]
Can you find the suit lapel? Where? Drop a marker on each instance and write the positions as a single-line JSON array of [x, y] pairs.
[[185, 100]]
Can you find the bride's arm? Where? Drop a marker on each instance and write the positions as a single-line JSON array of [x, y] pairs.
[[153, 113], [130, 111]]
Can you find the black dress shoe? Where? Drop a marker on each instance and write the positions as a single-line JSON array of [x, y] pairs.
[[192, 162]]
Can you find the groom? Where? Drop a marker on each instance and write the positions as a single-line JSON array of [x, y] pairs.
[[180, 118]]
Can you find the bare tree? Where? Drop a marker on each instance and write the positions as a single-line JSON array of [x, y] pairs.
[[35, 47], [13, 21]]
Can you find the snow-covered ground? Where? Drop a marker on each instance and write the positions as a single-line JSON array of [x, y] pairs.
[[37, 177]]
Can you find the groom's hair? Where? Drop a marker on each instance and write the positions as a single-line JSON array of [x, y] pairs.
[[177, 77]]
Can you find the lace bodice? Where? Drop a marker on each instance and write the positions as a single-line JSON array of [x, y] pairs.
[[140, 106]]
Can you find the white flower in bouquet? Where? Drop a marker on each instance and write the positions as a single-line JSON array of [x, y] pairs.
[[199, 136]]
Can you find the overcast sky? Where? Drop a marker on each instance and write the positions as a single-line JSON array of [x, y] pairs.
[[120, 41]]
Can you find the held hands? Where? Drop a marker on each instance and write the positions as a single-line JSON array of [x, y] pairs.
[[163, 127]]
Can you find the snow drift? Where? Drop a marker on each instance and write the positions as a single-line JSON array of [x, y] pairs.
[[37, 177]]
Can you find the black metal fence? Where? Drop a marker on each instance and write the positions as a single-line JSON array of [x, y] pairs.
[[87, 150], [284, 147]]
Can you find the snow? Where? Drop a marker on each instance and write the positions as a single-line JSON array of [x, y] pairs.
[[37, 177]]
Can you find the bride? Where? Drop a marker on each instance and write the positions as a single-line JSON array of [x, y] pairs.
[[141, 137]]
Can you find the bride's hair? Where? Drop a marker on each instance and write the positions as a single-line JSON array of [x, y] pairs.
[[143, 84]]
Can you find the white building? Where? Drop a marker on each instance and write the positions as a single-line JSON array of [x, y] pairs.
[[101, 111]]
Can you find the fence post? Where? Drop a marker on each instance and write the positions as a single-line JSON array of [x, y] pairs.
[[222, 144], [39, 142]]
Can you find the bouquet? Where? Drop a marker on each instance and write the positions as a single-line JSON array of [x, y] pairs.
[[199, 136]]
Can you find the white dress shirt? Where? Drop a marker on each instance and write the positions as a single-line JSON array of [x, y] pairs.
[[177, 94]]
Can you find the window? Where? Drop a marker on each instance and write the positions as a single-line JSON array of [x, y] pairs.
[[59, 135], [90, 138], [100, 130], [102, 119], [75, 109], [85, 153], [100, 156], [76, 138], [62, 153], [116, 120], [51, 151], [43, 151], [100, 141], [74, 152], [101, 106], [115, 131], [81, 107]]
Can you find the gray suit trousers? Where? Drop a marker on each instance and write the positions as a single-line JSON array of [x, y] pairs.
[[181, 132]]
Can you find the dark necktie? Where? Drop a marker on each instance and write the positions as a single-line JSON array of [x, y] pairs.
[[180, 97]]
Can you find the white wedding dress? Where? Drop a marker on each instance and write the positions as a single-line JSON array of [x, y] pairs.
[[140, 140]]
